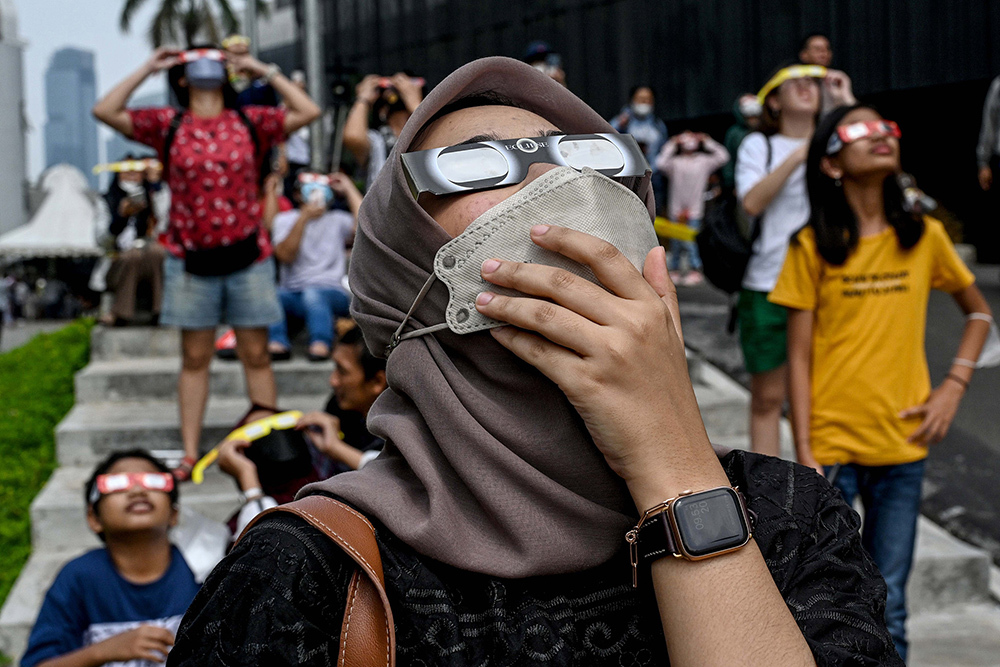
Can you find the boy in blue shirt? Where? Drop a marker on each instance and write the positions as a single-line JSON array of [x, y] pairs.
[[119, 605]]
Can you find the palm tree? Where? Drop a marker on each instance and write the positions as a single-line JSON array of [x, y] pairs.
[[185, 22]]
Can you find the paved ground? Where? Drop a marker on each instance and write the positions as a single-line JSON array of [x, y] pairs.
[[962, 472]]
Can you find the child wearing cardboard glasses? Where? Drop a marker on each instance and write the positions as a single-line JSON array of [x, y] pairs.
[[121, 603]]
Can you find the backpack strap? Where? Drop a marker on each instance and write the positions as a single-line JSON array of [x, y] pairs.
[[175, 124], [367, 634]]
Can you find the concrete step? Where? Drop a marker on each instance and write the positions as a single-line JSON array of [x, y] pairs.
[[967, 636], [92, 430], [156, 379], [25, 598], [946, 572], [58, 514], [134, 342]]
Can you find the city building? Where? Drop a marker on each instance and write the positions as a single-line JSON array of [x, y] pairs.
[[13, 187], [70, 93]]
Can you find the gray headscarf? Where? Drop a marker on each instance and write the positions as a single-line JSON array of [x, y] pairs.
[[487, 466]]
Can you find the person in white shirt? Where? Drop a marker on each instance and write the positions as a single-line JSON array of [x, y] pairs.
[[771, 188], [310, 246]]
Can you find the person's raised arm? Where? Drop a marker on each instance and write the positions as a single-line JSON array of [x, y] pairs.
[[356, 126], [716, 151], [800, 329], [618, 355], [111, 110], [760, 196], [668, 155], [287, 249], [300, 108], [345, 187]]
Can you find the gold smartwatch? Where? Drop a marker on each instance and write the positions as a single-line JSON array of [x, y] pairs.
[[693, 526]]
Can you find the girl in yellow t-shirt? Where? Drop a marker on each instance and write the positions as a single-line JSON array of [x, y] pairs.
[[856, 281]]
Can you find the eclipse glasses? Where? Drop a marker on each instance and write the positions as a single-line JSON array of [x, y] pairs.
[[846, 134], [789, 73], [201, 54], [492, 164], [126, 481]]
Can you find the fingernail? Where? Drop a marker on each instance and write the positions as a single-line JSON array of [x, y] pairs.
[[484, 298], [490, 265], [538, 230]]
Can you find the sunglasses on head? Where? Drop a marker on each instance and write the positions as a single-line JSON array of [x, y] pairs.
[[126, 481], [846, 134], [201, 54], [492, 164]]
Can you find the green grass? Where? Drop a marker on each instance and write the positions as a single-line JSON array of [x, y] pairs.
[[36, 392]]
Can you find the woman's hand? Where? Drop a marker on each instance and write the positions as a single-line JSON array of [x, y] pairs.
[[163, 58], [368, 91], [409, 90], [838, 88], [617, 354], [985, 178], [328, 426], [938, 412], [246, 63], [234, 462]]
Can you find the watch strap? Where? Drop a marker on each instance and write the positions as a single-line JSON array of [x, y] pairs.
[[656, 538]]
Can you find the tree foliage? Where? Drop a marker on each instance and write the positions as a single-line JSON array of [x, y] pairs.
[[187, 22]]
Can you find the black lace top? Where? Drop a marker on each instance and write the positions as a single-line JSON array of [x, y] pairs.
[[279, 597]]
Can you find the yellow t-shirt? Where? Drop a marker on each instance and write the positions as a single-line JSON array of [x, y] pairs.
[[868, 360]]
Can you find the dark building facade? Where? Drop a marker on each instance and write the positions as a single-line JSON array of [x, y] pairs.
[[927, 63]]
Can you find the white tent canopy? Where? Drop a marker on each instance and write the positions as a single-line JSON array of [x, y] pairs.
[[64, 224]]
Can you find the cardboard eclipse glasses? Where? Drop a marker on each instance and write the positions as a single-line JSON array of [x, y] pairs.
[[201, 54], [846, 134], [789, 73], [491, 164], [126, 481]]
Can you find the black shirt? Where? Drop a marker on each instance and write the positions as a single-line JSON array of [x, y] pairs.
[[279, 597]]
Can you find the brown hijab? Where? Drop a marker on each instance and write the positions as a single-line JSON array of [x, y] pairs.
[[487, 466]]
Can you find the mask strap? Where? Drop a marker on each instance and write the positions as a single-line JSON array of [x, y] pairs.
[[399, 336]]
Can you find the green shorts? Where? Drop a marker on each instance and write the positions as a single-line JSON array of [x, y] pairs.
[[763, 332]]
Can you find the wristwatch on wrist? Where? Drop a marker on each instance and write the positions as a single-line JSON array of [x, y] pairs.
[[692, 526]]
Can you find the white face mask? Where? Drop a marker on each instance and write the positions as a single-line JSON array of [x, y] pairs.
[[130, 188], [642, 110], [585, 201], [690, 145]]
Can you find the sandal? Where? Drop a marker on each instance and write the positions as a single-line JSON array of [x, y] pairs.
[[182, 473]]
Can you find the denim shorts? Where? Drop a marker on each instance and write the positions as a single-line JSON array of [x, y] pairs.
[[246, 299]]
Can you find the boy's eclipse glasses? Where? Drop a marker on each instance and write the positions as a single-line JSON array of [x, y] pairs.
[[126, 481], [492, 164], [846, 134]]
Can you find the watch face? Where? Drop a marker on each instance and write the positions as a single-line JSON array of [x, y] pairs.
[[710, 522]]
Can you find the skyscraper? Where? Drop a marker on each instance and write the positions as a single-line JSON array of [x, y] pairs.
[[13, 186], [70, 93]]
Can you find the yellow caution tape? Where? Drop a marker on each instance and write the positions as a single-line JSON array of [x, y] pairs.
[[673, 230]]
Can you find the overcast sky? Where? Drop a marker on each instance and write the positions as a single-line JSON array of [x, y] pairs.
[[49, 25]]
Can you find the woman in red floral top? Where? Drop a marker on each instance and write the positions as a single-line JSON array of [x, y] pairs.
[[219, 268]]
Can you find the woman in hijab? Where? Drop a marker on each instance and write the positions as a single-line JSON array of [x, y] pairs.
[[518, 458]]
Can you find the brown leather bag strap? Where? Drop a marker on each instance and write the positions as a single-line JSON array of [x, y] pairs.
[[367, 635]]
